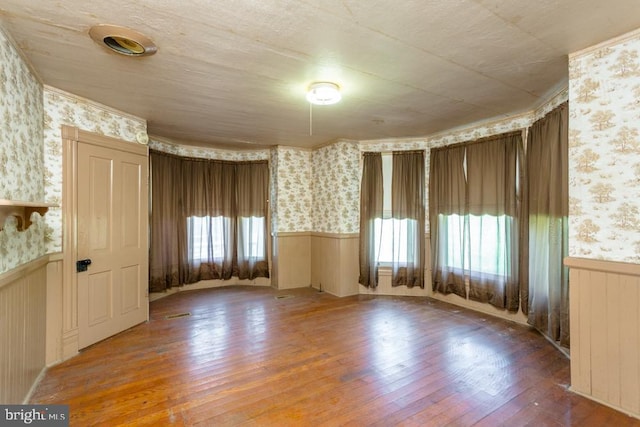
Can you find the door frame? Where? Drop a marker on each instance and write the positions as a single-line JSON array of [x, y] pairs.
[[71, 136]]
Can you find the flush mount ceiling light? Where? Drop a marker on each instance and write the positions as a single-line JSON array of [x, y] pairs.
[[124, 41], [323, 93]]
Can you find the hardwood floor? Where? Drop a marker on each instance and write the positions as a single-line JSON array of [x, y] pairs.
[[246, 357]]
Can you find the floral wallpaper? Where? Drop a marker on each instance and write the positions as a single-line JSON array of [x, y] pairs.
[[20, 247], [293, 202], [62, 108], [604, 151], [273, 190], [21, 156], [207, 153], [336, 188]]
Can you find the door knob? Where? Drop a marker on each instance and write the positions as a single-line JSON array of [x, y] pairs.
[[82, 265]]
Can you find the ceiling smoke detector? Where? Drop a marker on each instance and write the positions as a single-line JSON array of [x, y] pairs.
[[124, 41]]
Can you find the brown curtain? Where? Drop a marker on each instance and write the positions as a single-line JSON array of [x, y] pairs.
[[523, 232], [474, 211], [198, 227], [252, 195], [447, 196], [168, 249], [548, 191], [407, 204], [371, 205], [209, 207], [492, 167]]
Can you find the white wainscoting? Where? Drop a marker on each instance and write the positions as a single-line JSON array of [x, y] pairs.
[[605, 332], [23, 311]]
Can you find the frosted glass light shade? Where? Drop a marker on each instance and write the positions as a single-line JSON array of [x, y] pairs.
[[323, 93]]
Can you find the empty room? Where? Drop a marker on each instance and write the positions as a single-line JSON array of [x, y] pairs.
[[330, 213]]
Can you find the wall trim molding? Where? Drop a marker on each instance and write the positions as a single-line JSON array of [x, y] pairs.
[[56, 256], [605, 266], [433, 140], [35, 384], [22, 270], [293, 234], [335, 235], [73, 97], [73, 135], [258, 282], [607, 43], [604, 402], [170, 146], [322, 234]]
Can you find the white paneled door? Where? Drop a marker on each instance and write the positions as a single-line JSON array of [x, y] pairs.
[[112, 218]]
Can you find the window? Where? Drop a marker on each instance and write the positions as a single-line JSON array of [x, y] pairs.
[[253, 228], [208, 237], [483, 248], [392, 235], [473, 200], [392, 218], [208, 220]]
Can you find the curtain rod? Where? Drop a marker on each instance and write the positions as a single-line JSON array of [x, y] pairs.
[[483, 139], [395, 151], [457, 144]]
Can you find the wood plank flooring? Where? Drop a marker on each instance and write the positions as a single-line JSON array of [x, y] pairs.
[[246, 357]]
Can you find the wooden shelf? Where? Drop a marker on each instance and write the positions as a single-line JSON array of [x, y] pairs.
[[22, 211]]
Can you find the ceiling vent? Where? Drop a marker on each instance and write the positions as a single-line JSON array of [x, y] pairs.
[[124, 41]]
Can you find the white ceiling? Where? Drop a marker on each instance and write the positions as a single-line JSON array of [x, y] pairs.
[[233, 74]]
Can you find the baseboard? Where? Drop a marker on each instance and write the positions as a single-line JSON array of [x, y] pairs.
[[602, 402], [35, 384]]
